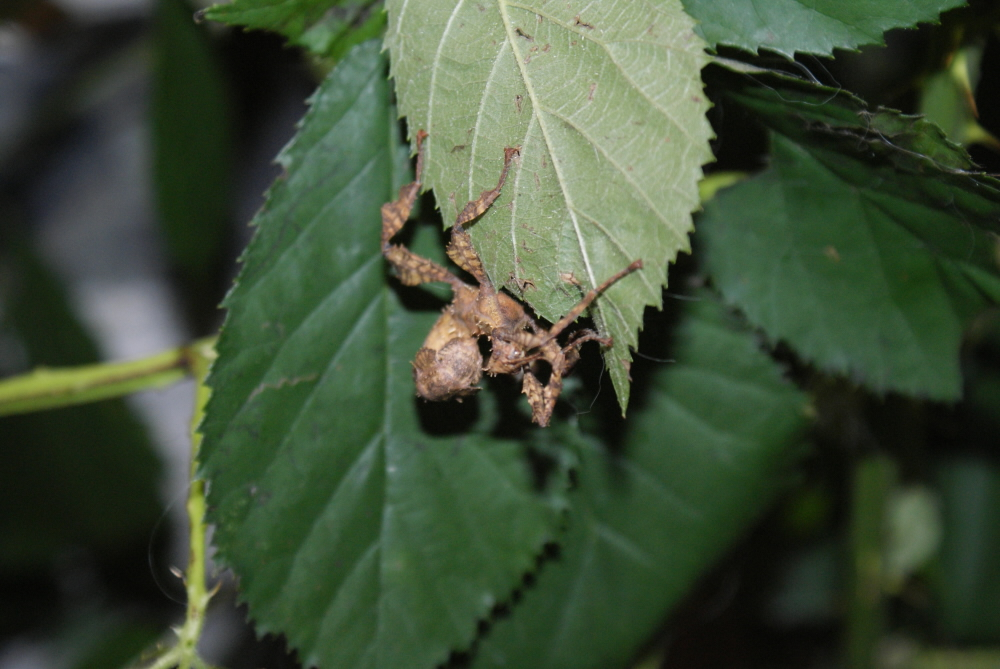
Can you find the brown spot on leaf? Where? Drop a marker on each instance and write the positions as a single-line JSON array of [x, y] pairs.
[[569, 277]]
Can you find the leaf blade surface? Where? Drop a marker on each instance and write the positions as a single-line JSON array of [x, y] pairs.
[[808, 26], [605, 101], [703, 456], [867, 245], [326, 28], [344, 517]]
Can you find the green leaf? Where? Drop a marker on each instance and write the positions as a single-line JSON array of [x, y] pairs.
[[808, 26], [699, 462], [966, 583], [947, 98], [325, 27], [191, 121], [866, 246], [367, 538], [106, 499], [605, 101], [811, 113]]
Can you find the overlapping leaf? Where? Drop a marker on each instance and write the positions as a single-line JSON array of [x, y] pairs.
[[808, 26], [324, 27], [605, 101], [866, 245], [703, 458], [368, 540]]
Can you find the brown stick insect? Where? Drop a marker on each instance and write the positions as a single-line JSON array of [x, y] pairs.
[[450, 364]]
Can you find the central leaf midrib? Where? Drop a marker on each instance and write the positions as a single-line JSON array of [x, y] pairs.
[[536, 105]]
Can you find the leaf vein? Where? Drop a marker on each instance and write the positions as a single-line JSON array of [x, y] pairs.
[[435, 68], [548, 142]]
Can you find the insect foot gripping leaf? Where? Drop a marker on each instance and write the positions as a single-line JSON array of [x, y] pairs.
[[449, 364]]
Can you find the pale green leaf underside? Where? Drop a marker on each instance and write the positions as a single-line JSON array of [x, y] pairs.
[[809, 26], [604, 99]]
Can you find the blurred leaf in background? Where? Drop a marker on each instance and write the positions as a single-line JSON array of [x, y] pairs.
[[967, 579], [99, 454], [192, 131], [79, 490], [702, 455], [326, 28]]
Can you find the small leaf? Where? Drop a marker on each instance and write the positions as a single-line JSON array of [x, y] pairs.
[[808, 26], [605, 101], [701, 459], [367, 539], [947, 98], [867, 252], [325, 27]]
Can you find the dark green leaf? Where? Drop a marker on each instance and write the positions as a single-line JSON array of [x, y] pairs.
[[967, 583], [324, 27], [808, 112], [191, 122], [701, 459], [79, 477], [368, 539], [105, 640], [809, 26], [865, 246]]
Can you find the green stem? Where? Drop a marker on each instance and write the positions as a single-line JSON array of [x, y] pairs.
[[51, 388], [185, 653], [198, 596], [874, 478]]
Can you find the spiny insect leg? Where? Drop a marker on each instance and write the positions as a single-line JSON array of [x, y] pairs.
[[461, 251], [413, 269], [478, 207], [582, 305], [396, 213]]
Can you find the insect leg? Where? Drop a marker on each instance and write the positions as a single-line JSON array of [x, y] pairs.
[[582, 305], [396, 213]]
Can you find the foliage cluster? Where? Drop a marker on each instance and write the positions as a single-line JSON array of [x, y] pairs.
[[815, 323]]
